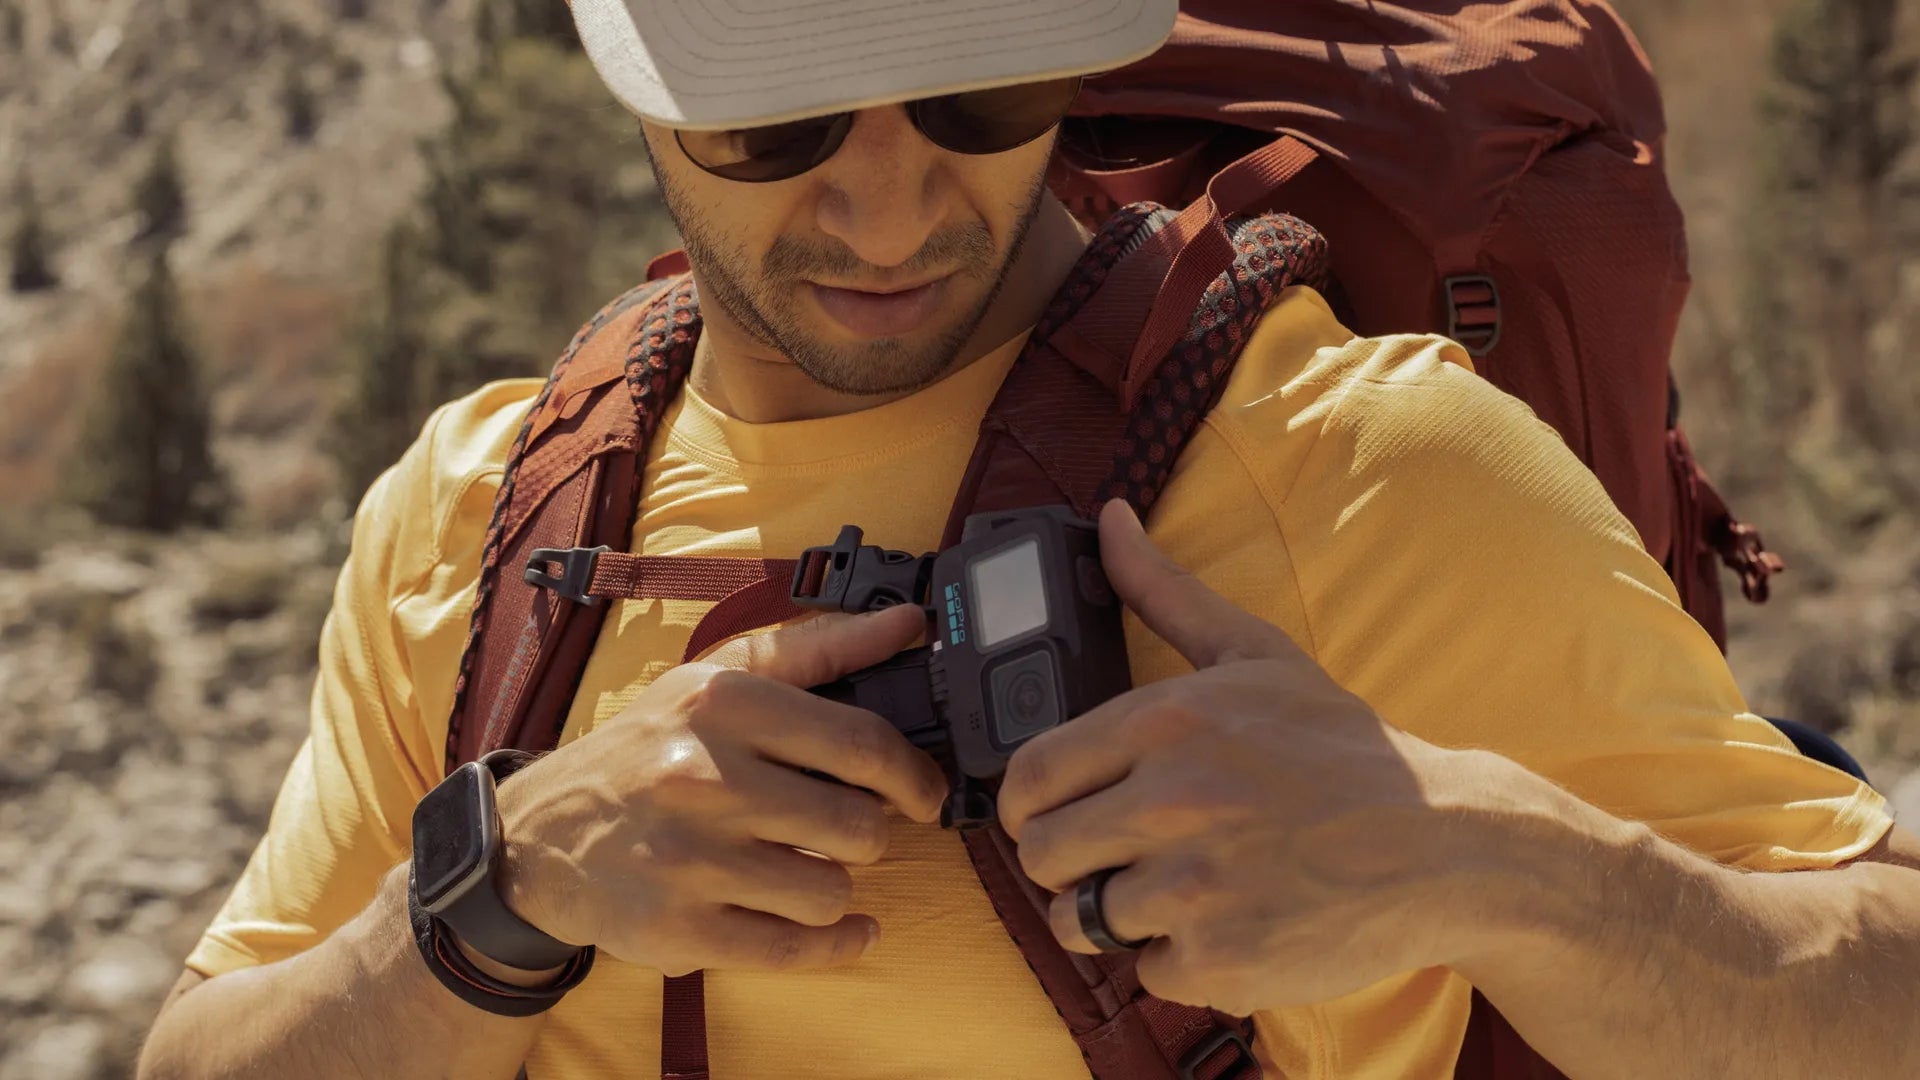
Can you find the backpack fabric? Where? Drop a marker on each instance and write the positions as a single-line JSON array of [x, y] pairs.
[[1074, 423], [1486, 171], [1491, 172]]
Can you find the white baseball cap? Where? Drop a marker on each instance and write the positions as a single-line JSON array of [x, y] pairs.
[[712, 64]]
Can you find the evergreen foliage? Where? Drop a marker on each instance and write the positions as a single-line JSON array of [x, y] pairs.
[[298, 101], [550, 21], [145, 458], [13, 25], [159, 197], [387, 394], [1824, 246], [30, 262], [539, 208]]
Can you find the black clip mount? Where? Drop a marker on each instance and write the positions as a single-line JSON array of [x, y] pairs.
[[853, 577], [576, 572]]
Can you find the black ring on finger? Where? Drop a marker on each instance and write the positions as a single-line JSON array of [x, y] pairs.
[[1088, 897]]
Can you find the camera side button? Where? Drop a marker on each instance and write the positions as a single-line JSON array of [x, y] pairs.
[[1094, 587]]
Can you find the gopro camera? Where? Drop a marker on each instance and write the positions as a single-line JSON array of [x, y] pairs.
[[1024, 635]]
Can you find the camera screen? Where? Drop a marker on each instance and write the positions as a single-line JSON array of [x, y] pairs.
[[1009, 598]]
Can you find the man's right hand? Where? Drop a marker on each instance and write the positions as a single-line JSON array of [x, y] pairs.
[[682, 835]]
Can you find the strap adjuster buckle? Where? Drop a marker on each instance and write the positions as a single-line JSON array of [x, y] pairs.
[[854, 577], [1473, 312], [1244, 1066], [575, 576]]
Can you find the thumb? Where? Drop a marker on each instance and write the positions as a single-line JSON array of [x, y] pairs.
[[1206, 628], [824, 648]]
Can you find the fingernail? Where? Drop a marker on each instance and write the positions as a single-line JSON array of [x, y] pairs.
[[873, 938]]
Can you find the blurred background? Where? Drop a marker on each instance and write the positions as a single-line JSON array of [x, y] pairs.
[[248, 247]]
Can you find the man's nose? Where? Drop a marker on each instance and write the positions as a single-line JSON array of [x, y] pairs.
[[886, 190]]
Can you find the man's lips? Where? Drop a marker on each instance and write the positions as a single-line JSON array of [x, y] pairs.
[[881, 314]]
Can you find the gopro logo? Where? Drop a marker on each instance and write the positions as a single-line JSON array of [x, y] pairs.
[[956, 616]]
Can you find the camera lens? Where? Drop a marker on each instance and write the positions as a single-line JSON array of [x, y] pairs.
[[1028, 697], [1025, 698]]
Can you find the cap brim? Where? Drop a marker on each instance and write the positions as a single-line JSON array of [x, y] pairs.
[[739, 63]]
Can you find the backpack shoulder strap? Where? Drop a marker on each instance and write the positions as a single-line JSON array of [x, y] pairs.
[[1071, 424], [1076, 425], [572, 480]]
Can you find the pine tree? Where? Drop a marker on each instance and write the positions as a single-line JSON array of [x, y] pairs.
[[1835, 118], [300, 105], [545, 20], [13, 26], [133, 119], [385, 400], [535, 213], [159, 197], [145, 458], [31, 263]]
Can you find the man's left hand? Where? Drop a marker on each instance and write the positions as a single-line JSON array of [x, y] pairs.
[[1282, 844]]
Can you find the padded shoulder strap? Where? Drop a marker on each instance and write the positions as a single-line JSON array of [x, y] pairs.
[[1078, 426], [572, 480], [1073, 423]]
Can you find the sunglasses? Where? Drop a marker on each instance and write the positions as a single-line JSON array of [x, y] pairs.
[[974, 122]]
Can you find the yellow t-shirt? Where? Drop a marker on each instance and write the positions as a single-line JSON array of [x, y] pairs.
[[1433, 545]]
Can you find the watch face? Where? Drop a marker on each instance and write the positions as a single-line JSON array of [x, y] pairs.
[[452, 828]]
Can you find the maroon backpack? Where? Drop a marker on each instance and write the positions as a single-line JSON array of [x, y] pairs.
[[1070, 425], [1077, 421], [1494, 178], [1488, 171]]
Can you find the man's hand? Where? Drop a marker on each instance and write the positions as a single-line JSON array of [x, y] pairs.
[[1283, 844], [682, 834]]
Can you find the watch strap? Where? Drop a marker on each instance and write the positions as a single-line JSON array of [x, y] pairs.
[[489, 927], [482, 919], [466, 981]]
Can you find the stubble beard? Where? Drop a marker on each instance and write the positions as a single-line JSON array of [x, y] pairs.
[[766, 306]]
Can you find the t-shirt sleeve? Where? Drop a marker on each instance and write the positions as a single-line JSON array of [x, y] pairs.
[[1464, 573], [342, 818]]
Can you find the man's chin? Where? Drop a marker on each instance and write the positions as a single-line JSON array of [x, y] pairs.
[[848, 364]]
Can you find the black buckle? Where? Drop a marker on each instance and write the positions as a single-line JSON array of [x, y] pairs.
[[575, 576], [1473, 312], [852, 577], [1244, 1057]]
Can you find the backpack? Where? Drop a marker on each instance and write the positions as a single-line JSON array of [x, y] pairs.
[[1073, 423], [1466, 180], [1491, 172]]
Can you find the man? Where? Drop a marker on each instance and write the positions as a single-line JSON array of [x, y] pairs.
[[1416, 713]]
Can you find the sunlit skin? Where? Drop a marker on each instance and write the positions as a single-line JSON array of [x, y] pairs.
[[781, 267]]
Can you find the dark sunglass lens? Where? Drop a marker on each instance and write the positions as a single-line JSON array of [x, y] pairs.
[[992, 121], [764, 154]]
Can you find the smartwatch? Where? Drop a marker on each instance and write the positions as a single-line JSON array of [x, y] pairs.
[[456, 847]]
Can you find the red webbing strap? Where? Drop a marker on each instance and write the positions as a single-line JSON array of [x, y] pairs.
[[683, 1028], [1737, 543], [1199, 234], [761, 597], [763, 603], [619, 575]]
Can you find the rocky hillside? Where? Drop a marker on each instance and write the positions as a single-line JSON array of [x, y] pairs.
[[152, 689]]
